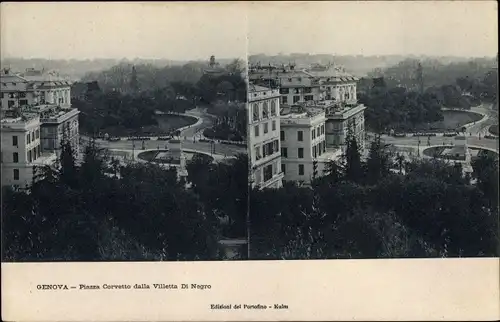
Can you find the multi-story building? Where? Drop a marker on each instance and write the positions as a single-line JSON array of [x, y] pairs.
[[21, 148], [33, 87], [58, 125], [303, 144], [47, 95], [264, 137], [336, 85], [326, 88], [342, 120], [16, 91], [296, 85]]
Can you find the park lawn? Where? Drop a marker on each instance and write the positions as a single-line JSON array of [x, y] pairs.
[[169, 122], [453, 120]]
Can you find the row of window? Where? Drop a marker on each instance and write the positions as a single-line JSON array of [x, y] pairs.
[[318, 150], [300, 166], [265, 128], [266, 149], [32, 154], [266, 113], [14, 95], [296, 99], [32, 136], [268, 171], [320, 130], [306, 90]]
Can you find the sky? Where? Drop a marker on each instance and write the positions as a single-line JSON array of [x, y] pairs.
[[196, 30]]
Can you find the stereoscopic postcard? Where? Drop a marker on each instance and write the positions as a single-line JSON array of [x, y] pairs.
[[250, 161]]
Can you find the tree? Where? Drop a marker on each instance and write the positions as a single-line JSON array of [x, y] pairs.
[[68, 169], [134, 83], [400, 160], [378, 162], [352, 160]]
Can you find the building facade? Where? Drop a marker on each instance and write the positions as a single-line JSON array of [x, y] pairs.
[[264, 137], [32, 88], [21, 149], [49, 96], [304, 154], [344, 121]]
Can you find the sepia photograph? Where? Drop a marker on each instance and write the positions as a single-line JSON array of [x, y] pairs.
[[249, 160], [242, 135]]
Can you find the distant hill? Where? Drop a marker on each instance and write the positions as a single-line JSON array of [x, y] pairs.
[[76, 69], [435, 72], [357, 65]]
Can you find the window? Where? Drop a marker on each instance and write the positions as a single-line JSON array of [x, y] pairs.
[[265, 111], [300, 136], [257, 153], [28, 137], [15, 157], [37, 133], [315, 151], [284, 100], [300, 152], [16, 174], [273, 108], [323, 129], [284, 152], [283, 168], [256, 129], [275, 168], [255, 112], [276, 146], [296, 91], [266, 127], [14, 140], [324, 146], [296, 99], [273, 126], [317, 131], [32, 136], [308, 90], [29, 156], [282, 135], [23, 102], [11, 103], [308, 98], [313, 134], [301, 169], [258, 176], [268, 172]]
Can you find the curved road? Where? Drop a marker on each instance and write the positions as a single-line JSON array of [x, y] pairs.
[[475, 133], [190, 139]]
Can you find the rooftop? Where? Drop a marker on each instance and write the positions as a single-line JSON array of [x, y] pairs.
[[299, 112], [47, 79], [15, 117], [257, 88]]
